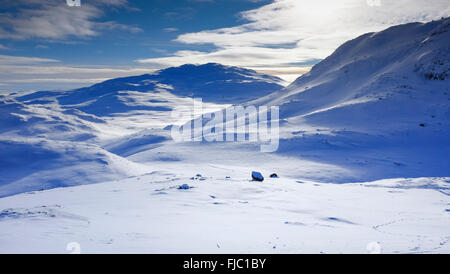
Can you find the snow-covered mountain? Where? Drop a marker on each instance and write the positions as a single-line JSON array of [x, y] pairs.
[[407, 65], [212, 82], [60, 138], [379, 104], [369, 111], [377, 108]]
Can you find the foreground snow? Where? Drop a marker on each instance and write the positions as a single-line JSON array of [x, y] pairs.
[[149, 214]]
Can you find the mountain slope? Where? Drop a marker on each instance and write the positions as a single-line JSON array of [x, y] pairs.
[[212, 82], [377, 108], [379, 105], [62, 138], [402, 71], [370, 110]]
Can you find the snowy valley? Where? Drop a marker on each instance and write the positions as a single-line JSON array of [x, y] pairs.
[[363, 158]]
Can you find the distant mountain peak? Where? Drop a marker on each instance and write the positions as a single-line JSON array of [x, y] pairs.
[[212, 82]]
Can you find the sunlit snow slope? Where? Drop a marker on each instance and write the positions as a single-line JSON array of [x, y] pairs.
[[61, 138], [374, 116], [380, 104]]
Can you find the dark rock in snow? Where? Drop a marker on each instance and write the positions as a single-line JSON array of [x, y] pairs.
[[274, 175], [256, 176], [198, 177], [184, 187]]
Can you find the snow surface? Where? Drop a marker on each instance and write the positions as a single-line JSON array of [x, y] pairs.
[[372, 107], [51, 138], [149, 214], [363, 159]]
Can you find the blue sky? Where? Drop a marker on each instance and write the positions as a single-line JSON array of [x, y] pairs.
[[49, 45], [149, 30]]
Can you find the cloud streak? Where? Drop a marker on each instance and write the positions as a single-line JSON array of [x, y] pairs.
[[19, 73], [16, 60], [53, 19]]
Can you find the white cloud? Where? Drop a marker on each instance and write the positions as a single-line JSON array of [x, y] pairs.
[[287, 32], [54, 19], [15, 60], [19, 73], [170, 29]]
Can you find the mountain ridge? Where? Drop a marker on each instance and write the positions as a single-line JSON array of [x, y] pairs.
[[66, 138], [377, 108]]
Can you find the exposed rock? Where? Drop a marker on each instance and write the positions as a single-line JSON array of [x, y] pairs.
[[257, 176], [184, 187]]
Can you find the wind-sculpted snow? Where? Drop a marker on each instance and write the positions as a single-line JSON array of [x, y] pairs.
[[373, 119], [36, 164], [212, 82], [380, 99], [225, 212], [60, 138], [368, 110]]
